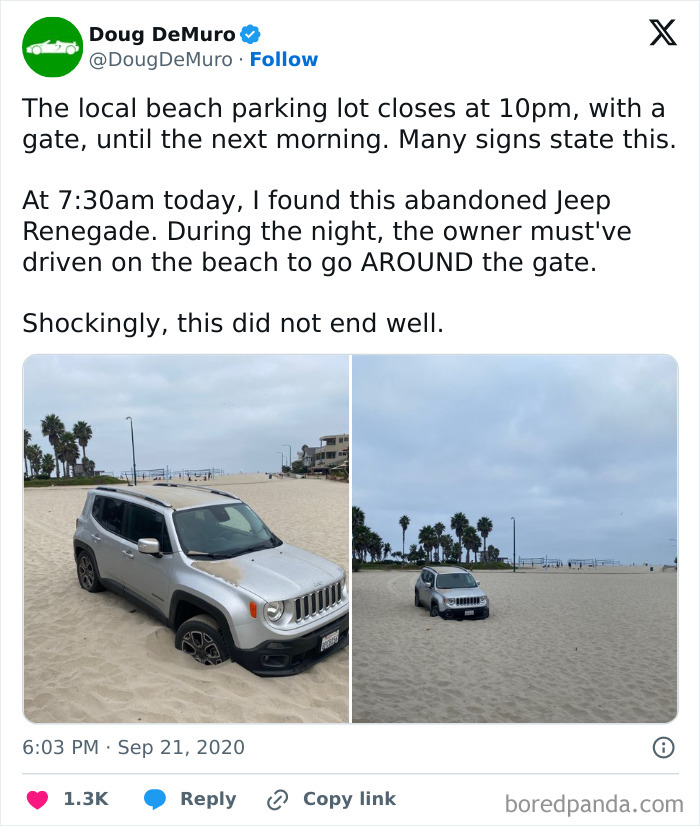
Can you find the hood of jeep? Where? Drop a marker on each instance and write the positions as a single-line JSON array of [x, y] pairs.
[[461, 592], [274, 574]]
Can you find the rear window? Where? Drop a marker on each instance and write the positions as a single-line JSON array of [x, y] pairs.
[[109, 513]]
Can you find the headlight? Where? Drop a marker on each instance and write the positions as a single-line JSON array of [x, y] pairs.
[[450, 601], [274, 610]]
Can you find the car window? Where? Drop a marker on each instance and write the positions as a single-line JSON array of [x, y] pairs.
[[144, 523], [458, 580], [97, 507], [111, 515]]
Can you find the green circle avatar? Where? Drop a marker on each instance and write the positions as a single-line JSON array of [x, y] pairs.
[[52, 47]]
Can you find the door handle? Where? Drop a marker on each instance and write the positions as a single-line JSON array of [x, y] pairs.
[[127, 553], [96, 537]]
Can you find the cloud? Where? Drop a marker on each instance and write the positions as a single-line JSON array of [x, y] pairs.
[[566, 444]]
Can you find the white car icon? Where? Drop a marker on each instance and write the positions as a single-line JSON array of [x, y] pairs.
[[57, 47]]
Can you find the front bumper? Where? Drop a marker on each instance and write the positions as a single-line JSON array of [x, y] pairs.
[[282, 658], [461, 612]]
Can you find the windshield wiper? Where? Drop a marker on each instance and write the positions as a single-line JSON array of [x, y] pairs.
[[272, 542], [261, 547]]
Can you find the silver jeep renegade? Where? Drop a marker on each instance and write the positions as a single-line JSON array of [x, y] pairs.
[[206, 565], [451, 593]]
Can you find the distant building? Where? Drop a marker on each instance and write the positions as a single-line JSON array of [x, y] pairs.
[[307, 455], [334, 451]]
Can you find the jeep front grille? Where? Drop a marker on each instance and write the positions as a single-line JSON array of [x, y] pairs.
[[467, 600], [315, 603]]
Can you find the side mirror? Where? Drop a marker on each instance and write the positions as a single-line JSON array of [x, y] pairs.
[[478, 582], [149, 546]]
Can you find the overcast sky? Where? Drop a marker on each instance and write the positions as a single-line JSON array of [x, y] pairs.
[[581, 450], [190, 412]]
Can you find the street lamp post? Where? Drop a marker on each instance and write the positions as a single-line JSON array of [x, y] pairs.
[[290, 456], [513, 518], [281, 453], [133, 451]]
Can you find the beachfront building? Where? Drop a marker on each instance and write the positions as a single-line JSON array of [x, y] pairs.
[[307, 455], [333, 452]]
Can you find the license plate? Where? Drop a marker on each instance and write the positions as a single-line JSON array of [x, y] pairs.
[[330, 639], [468, 613]]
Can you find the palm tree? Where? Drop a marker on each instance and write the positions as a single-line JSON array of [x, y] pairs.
[[34, 454], [459, 523], [71, 452], [360, 532], [358, 517], [60, 457], [472, 542], [404, 522], [53, 427], [439, 529], [27, 439], [83, 433], [427, 538], [484, 526], [447, 544], [386, 548], [47, 464], [374, 546], [68, 452]]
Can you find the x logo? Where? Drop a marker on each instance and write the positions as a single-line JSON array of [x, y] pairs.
[[663, 32]]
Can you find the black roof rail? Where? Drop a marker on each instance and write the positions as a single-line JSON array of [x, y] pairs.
[[137, 494], [196, 487]]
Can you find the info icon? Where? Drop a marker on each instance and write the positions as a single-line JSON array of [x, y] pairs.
[[52, 47]]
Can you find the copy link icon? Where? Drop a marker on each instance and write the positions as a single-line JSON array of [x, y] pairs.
[[277, 799]]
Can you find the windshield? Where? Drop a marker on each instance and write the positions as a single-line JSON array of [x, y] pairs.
[[222, 531], [461, 580]]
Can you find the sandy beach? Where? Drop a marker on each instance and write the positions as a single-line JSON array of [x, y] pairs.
[[97, 658], [560, 646]]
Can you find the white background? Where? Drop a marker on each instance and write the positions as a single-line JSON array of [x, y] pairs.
[[642, 298]]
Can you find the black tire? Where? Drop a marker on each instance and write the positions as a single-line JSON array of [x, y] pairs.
[[416, 601], [200, 638], [434, 610], [88, 575]]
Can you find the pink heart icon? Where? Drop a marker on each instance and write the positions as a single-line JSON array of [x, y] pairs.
[[37, 799]]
